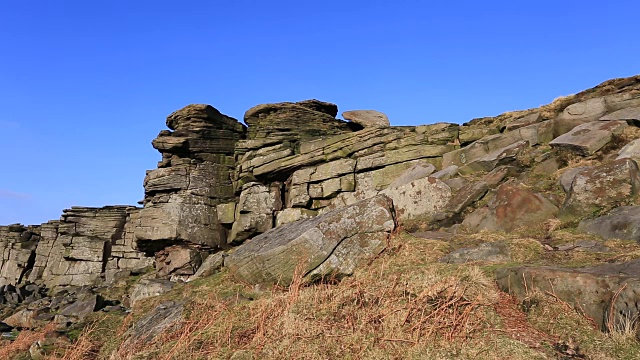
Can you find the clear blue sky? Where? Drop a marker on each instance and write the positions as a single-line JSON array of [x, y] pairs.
[[86, 85]]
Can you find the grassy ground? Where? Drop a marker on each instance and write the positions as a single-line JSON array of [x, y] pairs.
[[404, 305]]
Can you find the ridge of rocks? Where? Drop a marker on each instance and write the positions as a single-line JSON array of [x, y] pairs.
[[299, 186]]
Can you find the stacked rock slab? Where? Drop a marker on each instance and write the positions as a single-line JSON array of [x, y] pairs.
[[220, 184], [17, 252], [85, 247], [193, 177]]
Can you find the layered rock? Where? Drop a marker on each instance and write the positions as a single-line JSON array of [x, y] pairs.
[[193, 177], [302, 187]]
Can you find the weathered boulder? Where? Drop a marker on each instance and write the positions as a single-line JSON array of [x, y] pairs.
[[347, 234], [180, 217], [600, 188], [579, 113], [211, 265], [27, 319], [588, 138], [419, 199], [500, 157], [630, 115], [163, 317], [178, 260], [417, 171], [294, 121], [630, 151], [367, 118], [620, 223], [521, 122], [513, 206], [85, 304], [147, 288], [293, 214], [566, 179], [605, 293], [446, 173]]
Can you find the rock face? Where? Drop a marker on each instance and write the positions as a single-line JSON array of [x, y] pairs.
[[86, 247], [300, 188], [331, 244], [193, 177]]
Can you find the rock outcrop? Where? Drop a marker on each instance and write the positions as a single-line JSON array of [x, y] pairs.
[[297, 192], [194, 176]]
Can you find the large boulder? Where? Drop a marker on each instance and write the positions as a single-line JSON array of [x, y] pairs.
[[630, 151], [579, 113], [620, 223], [631, 115], [419, 199], [600, 188], [588, 138], [606, 293], [331, 244], [513, 206], [367, 118]]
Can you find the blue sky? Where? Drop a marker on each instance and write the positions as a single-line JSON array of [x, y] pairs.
[[86, 85]]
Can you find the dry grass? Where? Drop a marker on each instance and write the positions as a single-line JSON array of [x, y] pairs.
[[405, 305], [24, 341]]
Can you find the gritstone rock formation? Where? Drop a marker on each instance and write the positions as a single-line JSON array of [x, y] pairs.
[[298, 187]]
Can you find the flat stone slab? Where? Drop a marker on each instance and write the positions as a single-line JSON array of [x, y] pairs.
[[588, 138], [621, 223], [631, 114]]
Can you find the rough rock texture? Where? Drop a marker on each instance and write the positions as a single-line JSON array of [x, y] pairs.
[[513, 206], [290, 190], [193, 177], [630, 151], [327, 245], [592, 291], [601, 188], [620, 223], [85, 247], [367, 118], [588, 138], [301, 120], [165, 316]]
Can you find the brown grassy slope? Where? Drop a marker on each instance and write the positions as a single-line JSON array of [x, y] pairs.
[[404, 305]]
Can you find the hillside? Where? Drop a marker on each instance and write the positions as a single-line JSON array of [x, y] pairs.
[[301, 235]]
